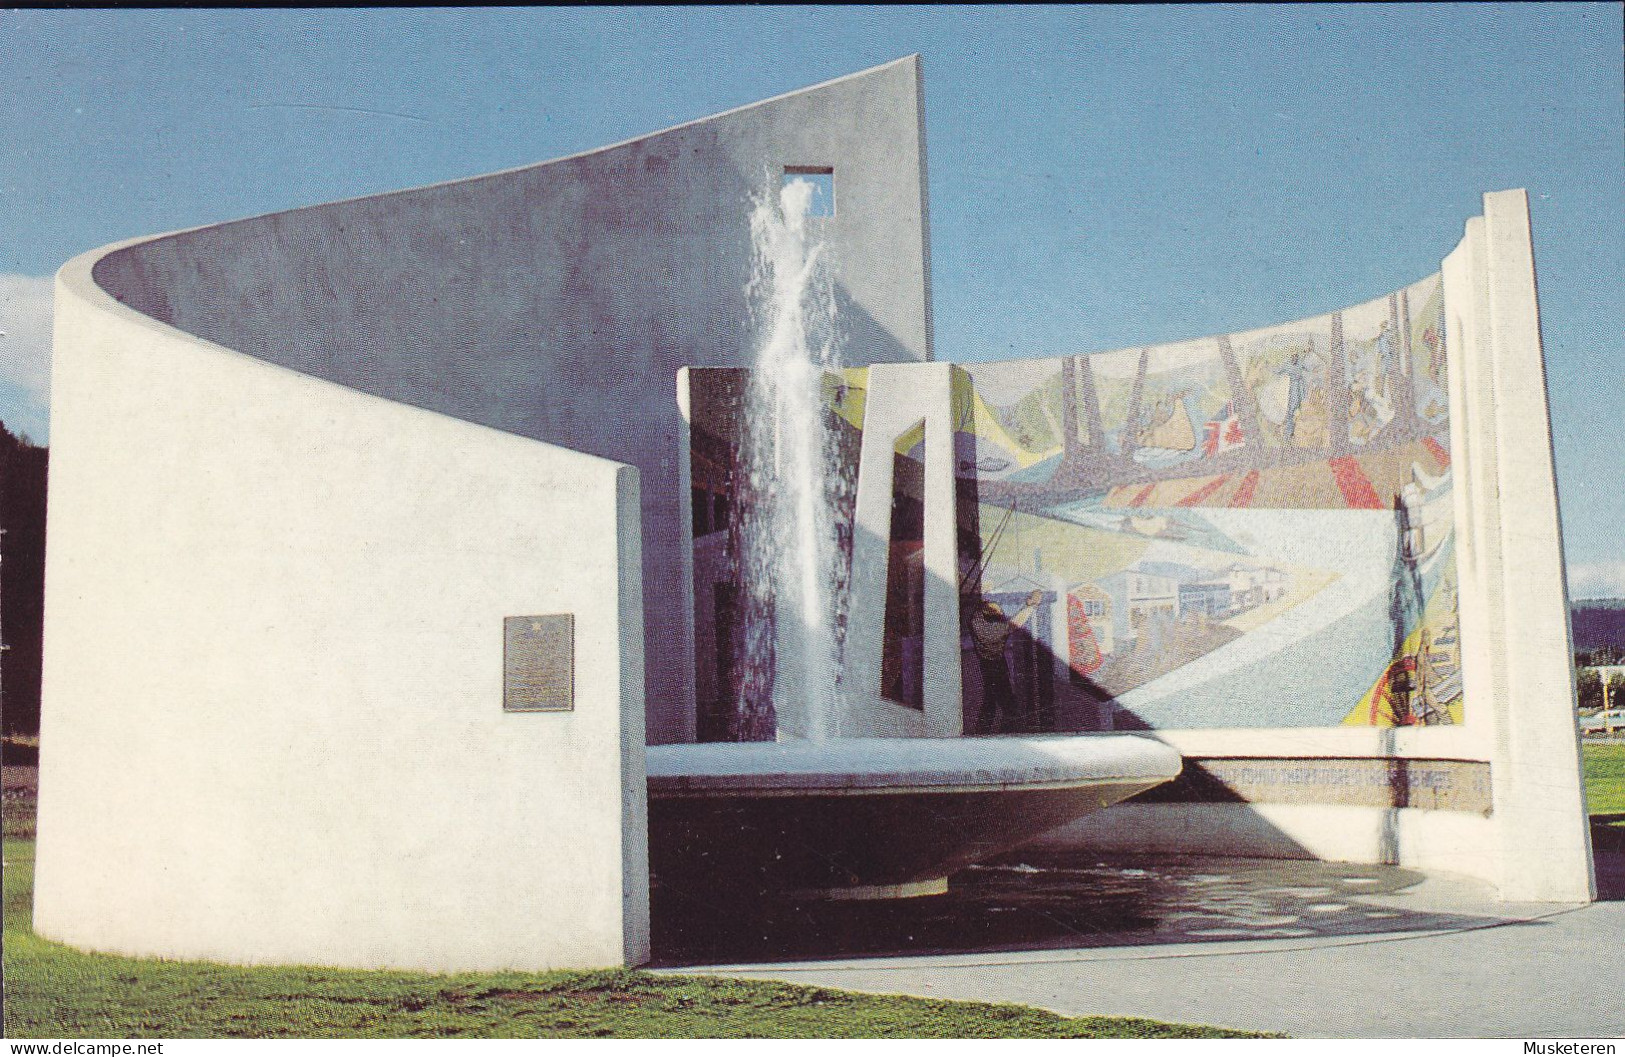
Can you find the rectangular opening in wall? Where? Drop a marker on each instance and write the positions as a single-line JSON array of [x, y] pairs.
[[902, 659], [821, 187]]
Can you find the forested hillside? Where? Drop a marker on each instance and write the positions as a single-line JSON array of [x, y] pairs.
[[1599, 623], [22, 580]]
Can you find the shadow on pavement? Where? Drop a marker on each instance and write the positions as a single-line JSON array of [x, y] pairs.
[[1034, 901], [1608, 851]]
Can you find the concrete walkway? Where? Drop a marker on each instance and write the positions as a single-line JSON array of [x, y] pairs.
[[1450, 961]]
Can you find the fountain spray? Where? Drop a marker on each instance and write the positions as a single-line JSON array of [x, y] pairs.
[[790, 558]]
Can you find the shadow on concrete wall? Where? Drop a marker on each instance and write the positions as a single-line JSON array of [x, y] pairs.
[[1027, 659], [555, 302]]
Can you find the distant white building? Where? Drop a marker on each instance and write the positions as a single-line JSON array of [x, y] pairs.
[[1138, 596], [1252, 586]]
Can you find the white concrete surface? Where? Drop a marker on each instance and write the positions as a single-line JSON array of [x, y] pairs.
[[558, 301], [1519, 971], [1516, 641], [273, 727], [898, 398], [1545, 842], [273, 681], [896, 764], [1513, 607], [1458, 842], [1455, 842], [1465, 741]]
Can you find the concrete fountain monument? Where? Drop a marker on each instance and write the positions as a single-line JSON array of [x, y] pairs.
[[797, 805], [400, 614]]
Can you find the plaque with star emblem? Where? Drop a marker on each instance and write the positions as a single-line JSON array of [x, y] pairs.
[[538, 663]]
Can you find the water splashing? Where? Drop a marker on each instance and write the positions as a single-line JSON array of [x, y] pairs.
[[789, 554]]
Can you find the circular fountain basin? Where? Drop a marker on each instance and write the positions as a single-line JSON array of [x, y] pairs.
[[874, 818]]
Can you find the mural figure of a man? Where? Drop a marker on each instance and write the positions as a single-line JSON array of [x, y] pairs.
[[990, 631], [1296, 372]]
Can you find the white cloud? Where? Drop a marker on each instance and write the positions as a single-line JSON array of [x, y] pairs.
[[1597, 580], [25, 354]]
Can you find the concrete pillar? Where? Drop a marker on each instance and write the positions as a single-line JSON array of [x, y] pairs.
[[899, 396], [1517, 650]]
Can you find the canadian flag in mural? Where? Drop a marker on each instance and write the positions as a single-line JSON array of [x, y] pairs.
[[1222, 432]]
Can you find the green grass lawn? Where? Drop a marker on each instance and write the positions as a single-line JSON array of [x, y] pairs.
[[1605, 778], [54, 992], [1605, 796]]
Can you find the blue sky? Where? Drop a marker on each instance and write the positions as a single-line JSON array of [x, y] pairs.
[[1099, 177]]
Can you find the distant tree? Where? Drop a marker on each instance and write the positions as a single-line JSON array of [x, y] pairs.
[[1599, 656], [22, 580], [1616, 691], [1589, 684]]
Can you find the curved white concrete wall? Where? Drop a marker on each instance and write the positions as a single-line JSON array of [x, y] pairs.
[[1517, 817], [273, 726], [558, 301]]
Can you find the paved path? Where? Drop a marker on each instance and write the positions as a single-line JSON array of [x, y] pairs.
[[1454, 962]]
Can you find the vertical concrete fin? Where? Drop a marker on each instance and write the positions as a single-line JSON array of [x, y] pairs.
[[1544, 836], [634, 778], [686, 723], [900, 395], [944, 711], [925, 212], [1479, 601]]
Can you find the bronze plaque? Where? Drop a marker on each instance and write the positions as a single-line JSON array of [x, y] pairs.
[[538, 663]]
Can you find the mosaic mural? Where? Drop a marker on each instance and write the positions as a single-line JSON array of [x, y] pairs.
[[1251, 530]]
